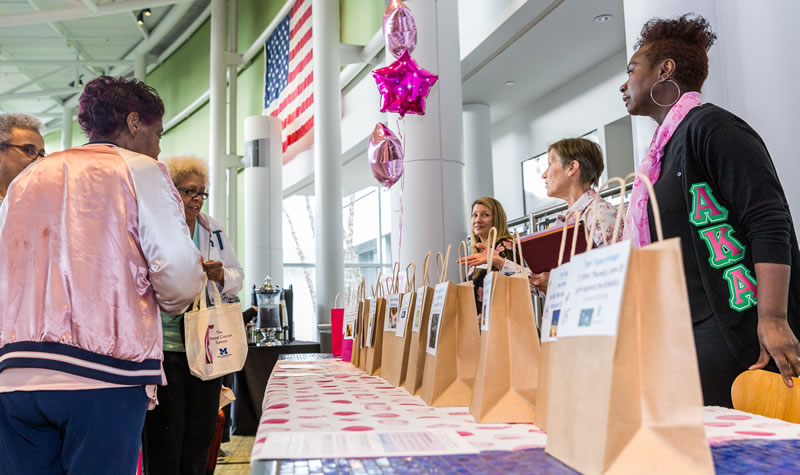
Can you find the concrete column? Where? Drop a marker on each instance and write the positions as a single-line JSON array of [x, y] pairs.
[[327, 156], [232, 171], [66, 129], [478, 151], [434, 206], [216, 106], [140, 67], [636, 15]]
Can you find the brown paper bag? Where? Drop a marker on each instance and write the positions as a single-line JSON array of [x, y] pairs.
[[398, 361], [628, 402], [453, 341], [374, 334], [392, 312], [505, 386], [552, 308], [356, 306], [419, 330]]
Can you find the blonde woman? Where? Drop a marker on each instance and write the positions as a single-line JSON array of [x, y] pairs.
[[487, 212], [178, 432]]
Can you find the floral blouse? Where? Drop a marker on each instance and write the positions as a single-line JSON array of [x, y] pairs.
[[504, 248], [604, 226]]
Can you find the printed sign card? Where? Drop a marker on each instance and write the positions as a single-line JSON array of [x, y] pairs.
[[595, 292], [405, 301], [437, 308], [373, 306], [487, 299], [417, 323], [557, 294], [392, 310], [350, 322]]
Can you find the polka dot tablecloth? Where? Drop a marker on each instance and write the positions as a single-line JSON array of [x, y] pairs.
[[340, 397]]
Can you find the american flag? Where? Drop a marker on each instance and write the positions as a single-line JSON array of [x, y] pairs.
[[288, 88]]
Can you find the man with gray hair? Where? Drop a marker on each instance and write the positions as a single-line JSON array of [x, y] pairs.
[[20, 144]]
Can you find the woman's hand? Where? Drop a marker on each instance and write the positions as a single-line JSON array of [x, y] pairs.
[[540, 281], [778, 341], [479, 258], [214, 271]]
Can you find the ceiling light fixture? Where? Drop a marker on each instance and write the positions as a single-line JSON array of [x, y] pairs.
[[147, 12], [140, 18], [604, 18], [510, 83]]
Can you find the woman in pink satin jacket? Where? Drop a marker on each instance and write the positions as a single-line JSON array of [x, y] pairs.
[[92, 242]]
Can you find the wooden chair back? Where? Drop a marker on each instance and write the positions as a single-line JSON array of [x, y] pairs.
[[764, 393]]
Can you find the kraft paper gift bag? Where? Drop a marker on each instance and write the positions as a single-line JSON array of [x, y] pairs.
[[374, 335], [349, 322], [627, 398], [354, 309], [556, 293], [453, 344], [398, 362], [507, 377], [419, 331], [392, 312], [363, 311], [216, 342]]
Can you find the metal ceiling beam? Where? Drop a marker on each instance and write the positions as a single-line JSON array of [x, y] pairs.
[[67, 62], [46, 93], [73, 13], [35, 80]]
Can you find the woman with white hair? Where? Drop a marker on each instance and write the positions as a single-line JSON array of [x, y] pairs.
[[178, 432], [21, 144]]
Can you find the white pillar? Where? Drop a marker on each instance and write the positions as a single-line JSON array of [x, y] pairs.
[[637, 13], [477, 123], [434, 205], [140, 67], [233, 171], [66, 129], [216, 106], [263, 202], [327, 156]]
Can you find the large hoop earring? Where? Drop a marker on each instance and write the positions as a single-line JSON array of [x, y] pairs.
[[665, 105]]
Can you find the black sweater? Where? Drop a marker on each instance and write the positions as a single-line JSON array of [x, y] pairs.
[[719, 192]]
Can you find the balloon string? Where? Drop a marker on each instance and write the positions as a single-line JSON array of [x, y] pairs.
[[400, 121]]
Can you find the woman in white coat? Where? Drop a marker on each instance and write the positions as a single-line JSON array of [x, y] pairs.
[[178, 432]]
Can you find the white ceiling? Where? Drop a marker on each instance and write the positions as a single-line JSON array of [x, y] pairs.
[[105, 40]]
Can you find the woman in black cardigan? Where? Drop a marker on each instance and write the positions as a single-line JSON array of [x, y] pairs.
[[717, 190]]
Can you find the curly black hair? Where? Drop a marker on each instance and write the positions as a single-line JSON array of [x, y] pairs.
[[686, 40], [106, 101]]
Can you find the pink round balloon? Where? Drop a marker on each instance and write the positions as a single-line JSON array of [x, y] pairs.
[[399, 28], [404, 86], [385, 155]]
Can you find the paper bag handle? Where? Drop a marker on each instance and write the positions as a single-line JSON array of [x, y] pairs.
[[443, 261], [653, 202], [377, 285], [362, 289], [425, 281], [336, 300], [574, 236], [491, 239], [411, 281], [395, 282], [463, 270]]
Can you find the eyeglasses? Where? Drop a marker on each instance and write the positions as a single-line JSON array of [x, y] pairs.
[[192, 193], [28, 149]]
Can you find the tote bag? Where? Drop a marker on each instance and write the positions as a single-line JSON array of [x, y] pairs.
[[216, 343]]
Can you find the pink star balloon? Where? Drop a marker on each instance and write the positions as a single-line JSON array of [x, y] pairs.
[[385, 155], [404, 86]]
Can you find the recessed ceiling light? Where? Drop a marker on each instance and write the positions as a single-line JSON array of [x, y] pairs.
[[604, 18], [510, 83]]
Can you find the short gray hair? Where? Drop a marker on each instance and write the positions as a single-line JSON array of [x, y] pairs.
[[22, 121]]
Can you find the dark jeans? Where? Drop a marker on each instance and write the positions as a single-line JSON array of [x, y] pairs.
[[84, 431], [178, 431]]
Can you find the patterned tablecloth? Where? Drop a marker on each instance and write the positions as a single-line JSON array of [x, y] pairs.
[[340, 397]]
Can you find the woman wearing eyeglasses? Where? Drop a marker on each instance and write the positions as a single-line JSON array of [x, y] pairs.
[[178, 432], [20, 145]]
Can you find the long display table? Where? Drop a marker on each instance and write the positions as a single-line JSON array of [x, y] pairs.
[[339, 397]]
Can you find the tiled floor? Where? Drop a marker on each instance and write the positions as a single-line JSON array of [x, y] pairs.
[[237, 456]]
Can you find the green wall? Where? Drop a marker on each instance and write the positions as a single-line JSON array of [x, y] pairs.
[[184, 76]]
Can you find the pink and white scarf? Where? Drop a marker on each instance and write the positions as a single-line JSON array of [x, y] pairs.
[[637, 226]]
